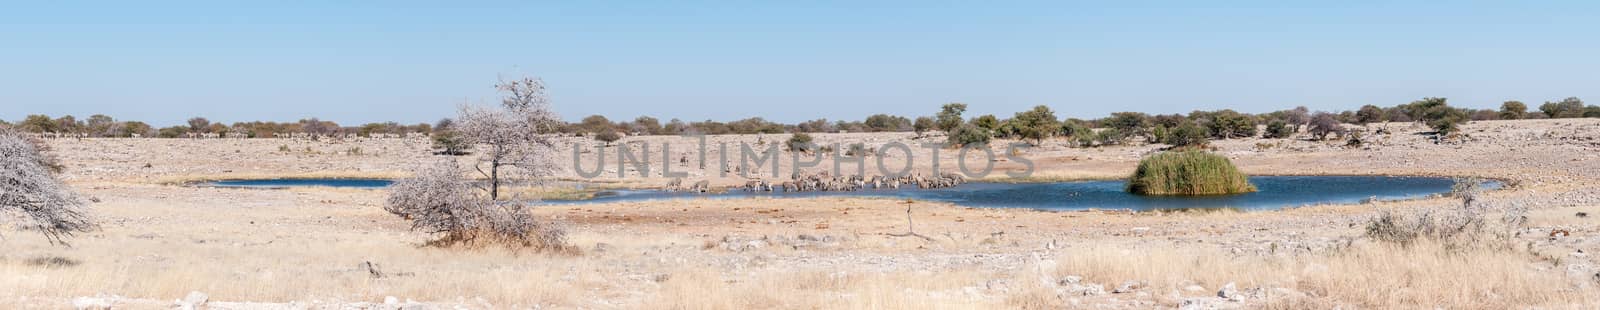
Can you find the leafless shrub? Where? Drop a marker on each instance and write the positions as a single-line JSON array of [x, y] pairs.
[[28, 186], [1469, 226], [52, 262], [516, 135], [439, 201]]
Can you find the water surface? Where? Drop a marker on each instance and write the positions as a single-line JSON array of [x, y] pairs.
[[1274, 192], [285, 183]]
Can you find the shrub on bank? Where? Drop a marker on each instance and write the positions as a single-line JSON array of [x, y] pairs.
[[1187, 134], [29, 188], [969, 135], [800, 142], [1278, 130], [439, 201], [1188, 173], [1475, 224]]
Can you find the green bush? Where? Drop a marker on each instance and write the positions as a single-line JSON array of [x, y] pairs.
[[1188, 173], [1187, 134], [1110, 136], [608, 136], [800, 142], [1278, 130], [969, 135]]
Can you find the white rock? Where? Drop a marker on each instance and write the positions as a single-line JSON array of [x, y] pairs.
[[1128, 287], [1230, 291], [91, 303]]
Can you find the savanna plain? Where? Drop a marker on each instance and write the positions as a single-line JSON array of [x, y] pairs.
[[1530, 244]]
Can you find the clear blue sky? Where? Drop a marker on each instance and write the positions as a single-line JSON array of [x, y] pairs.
[[355, 62]]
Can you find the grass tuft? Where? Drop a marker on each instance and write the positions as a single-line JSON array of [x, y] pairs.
[[1188, 173]]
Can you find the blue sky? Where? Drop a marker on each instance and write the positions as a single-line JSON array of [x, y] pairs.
[[364, 61]]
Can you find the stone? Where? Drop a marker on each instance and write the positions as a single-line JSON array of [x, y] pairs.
[[1230, 291], [1128, 287], [1070, 280], [195, 299], [997, 285], [1194, 288], [1087, 290], [92, 303]]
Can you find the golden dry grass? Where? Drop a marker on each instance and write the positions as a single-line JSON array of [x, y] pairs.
[[160, 242], [1367, 275]]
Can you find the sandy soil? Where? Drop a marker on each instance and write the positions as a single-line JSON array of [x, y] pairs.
[[245, 248]]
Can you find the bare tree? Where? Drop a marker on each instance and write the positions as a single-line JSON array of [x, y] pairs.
[[1323, 124], [439, 201], [199, 124], [28, 186], [516, 135]]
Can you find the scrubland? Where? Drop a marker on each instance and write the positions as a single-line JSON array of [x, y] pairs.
[[329, 248]]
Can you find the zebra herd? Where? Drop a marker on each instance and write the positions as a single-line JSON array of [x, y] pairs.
[[823, 182]]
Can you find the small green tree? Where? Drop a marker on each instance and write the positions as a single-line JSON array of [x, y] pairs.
[[923, 124], [1513, 110], [447, 140], [1445, 119], [969, 135], [1228, 124], [1186, 135], [173, 132], [608, 136], [38, 123], [885, 122], [1369, 114], [949, 116], [1278, 129], [1571, 107], [647, 125], [134, 128], [800, 142], [1035, 124], [1128, 124], [1077, 132], [987, 122], [1110, 136]]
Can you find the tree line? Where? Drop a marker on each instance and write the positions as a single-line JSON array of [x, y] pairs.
[[1035, 124]]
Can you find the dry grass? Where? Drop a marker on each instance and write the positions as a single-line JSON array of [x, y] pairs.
[[160, 242], [707, 289], [1365, 274]]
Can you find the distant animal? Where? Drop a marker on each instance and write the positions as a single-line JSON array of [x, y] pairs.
[[701, 187], [675, 184], [757, 185]]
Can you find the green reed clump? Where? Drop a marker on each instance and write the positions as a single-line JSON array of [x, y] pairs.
[[1188, 172]]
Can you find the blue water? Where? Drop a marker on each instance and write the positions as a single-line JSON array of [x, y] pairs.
[[282, 183], [1274, 192]]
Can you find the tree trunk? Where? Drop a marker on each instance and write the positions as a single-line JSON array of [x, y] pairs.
[[494, 181]]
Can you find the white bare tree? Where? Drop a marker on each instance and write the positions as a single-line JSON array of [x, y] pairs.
[[438, 200], [515, 144], [28, 186], [516, 137]]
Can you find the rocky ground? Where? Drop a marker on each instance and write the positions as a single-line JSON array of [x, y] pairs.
[[163, 244]]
